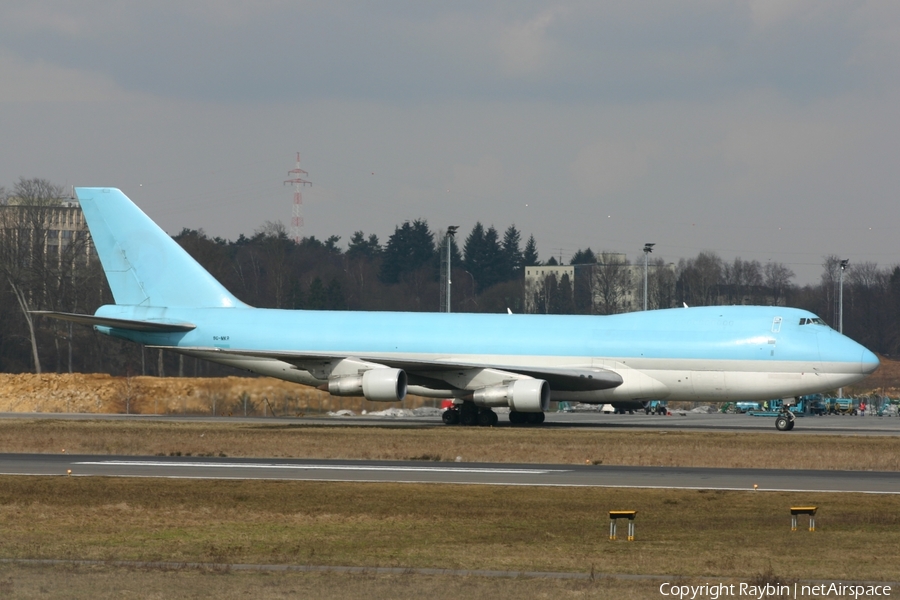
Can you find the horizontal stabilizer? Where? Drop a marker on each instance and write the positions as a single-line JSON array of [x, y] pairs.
[[129, 324]]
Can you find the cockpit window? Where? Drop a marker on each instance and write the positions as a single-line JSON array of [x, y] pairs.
[[815, 321]]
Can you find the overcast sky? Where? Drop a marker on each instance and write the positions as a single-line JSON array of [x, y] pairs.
[[765, 129]]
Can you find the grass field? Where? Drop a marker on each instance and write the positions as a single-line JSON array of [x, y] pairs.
[[703, 536], [117, 583], [686, 533]]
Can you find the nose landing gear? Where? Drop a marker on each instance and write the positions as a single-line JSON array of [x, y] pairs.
[[784, 421]]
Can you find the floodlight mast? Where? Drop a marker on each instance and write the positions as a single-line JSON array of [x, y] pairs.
[[445, 268], [844, 264], [648, 248]]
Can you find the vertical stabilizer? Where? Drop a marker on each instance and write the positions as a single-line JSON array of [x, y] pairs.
[[144, 266]]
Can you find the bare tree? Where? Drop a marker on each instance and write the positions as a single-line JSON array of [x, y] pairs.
[[276, 246], [831, 271], [742, 279], [777, 278], [699, 279], [660, 285], [613, 283], [25, 224]]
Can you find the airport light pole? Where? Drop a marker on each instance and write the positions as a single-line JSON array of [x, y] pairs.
[[844, 264], [446, 268], [648, 248]]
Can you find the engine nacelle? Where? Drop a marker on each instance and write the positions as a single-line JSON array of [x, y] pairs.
[[522, 395], [384, 385], [377, 385]]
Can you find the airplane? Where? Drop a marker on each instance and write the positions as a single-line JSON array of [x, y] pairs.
[[165, 299]]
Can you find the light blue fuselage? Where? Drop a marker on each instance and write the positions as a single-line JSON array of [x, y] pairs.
[[756, 352], [165, 298]]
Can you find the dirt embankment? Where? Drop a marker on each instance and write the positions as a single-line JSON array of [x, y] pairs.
[[100, 393]]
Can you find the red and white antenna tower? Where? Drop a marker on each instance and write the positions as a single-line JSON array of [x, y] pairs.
[[297, 211]]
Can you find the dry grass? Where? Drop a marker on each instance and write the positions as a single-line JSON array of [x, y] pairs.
[[704, 535], [116, 583], [549, 446], [689, 533]]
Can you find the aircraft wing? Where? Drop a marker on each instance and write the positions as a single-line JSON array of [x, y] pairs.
[[456, 373]]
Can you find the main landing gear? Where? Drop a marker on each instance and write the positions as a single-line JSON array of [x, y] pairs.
[[523, 418], [469, 414]]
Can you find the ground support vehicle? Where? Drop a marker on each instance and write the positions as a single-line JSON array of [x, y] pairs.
[[656, 407], [842, 406]]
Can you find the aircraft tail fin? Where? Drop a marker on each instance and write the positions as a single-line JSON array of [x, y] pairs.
[[144, 266]]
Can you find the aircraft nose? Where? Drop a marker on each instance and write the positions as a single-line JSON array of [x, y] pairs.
[[869, 362]]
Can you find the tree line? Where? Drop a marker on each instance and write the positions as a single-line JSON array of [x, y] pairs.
[[42, 269]]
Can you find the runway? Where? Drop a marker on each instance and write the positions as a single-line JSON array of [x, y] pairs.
[[688, 421], [451, 473]]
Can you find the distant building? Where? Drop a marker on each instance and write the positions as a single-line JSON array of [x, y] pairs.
[[609, 286], [49, 229]]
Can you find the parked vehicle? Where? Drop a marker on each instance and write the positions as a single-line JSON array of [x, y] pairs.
[[842, 406], [656, 407], [743, 407]]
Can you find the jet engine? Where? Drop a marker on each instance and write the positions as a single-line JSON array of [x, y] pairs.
[[522, 395], [377, 385]]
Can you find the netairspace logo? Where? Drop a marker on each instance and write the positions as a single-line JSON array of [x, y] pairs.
[[715, 591]]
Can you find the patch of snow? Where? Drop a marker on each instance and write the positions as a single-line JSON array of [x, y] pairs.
[[342, 413], [392, 412]]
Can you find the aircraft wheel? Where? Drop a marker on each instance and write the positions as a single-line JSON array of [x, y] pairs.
[[790, 425], [450, 416], [782, 424], [535, 418], [487, 418], [516, 418]]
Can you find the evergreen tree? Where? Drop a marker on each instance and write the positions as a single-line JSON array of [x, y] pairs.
[[530, 255], [410, 248], [334, 296], [483, 257], [473, 253], [331, 244], [317, 298], [494, 259], [565, 304], [360, 246], [583, 257], [512, 254]]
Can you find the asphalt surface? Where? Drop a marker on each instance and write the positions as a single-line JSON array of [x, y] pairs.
[[457, 473], [481, 473], [809, 425]]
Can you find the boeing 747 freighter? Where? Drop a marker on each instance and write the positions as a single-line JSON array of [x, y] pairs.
[[164, 298]]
